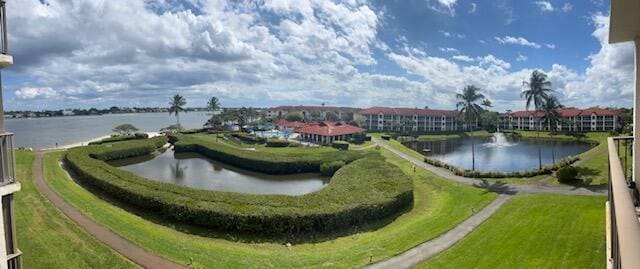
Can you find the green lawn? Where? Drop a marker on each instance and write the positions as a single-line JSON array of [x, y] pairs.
[[47, 238], [438, 206], [534, 231]]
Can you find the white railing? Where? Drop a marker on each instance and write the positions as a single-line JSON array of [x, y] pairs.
[[7, 159], [623, 227]]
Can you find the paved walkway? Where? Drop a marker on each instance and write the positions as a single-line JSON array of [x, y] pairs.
[[496, 187], [433, 247], [123, 246]]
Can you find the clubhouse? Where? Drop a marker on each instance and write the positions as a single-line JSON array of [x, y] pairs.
[[572, 120], [325, 132]]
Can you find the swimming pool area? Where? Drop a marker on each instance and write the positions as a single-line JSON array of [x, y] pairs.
[[277, 133]]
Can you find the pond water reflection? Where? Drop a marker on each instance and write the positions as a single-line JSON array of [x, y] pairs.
[[499, 152], [196, 171]]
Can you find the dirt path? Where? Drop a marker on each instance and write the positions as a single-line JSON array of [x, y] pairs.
[[433, 247], [123, 246]]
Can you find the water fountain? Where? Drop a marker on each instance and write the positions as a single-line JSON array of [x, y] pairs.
[[498, 140]]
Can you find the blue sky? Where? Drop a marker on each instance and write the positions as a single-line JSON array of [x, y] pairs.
[[412, 53]]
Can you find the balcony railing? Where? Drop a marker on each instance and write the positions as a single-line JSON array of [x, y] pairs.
[[4, 43], [14, 260], [623, 227], [7, 160]]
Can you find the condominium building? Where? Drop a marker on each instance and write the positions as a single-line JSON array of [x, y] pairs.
[[571, 120], [412, 120], [9, 252]]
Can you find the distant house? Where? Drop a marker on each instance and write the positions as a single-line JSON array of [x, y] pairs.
[[67, 112], [572, 120], [326, 132], [412, 119], [309, 111]]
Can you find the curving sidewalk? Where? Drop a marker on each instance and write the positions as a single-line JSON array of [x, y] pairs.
[[497, 187], [433, 247], [123, 246]]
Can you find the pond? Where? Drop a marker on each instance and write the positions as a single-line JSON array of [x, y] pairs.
[[499, 152], [197, 171]]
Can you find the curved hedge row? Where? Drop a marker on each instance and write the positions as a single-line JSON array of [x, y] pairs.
[[367, 189], [305, 160]]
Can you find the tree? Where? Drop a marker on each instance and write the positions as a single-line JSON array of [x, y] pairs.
[[489, 120], [331, 116], [125, 129], [176, 106], [551, 116], [537, 89], [213, 104], [487, 104], [294, 116], [172, 128], [467, 106]]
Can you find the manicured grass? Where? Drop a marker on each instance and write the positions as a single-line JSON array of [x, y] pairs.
[[534, 231], [438, 206], [47, 238]]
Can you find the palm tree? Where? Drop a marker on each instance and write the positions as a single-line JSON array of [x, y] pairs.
[[467, 105], [551, 116], [537, 90], [213, 104], [487, 104], [177, 103]]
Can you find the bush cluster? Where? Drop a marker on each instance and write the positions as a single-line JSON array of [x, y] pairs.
[[567, 174], [546, 170], [330, 168], [341, 145], [248, 138], [192, 131], [277, 143], [303, 160], [385, 137], [365, 190]]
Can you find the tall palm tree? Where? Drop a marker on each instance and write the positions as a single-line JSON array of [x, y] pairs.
[[468, 106], [213, 104], [537, 89], [177, 105], [487, 104], [551, 116]]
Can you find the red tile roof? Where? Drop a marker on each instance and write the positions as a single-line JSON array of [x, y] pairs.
[[330, 129], [290, 124], [600, 112], [408, 111]]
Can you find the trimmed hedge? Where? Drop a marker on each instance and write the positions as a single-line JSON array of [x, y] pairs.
[[265, 162], [546, 170], [341, 145], [330, 168], [366, 190], [385, 137], [277, 143], [116, 138], [248, 138], [126, 149]]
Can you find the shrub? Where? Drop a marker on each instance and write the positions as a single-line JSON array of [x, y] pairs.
[[341, 145], [125, 129], [125, 149], [376, 190], [567, 174], [330, 168], [141, 135], [277, 143], [359, 138], [304, 160], [385, 137], [244, 137], [191, 131], [116, 138]]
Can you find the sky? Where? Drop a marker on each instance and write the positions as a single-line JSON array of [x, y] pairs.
[[402, 53]]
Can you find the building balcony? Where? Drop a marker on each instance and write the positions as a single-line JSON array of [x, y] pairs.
[[7, 160], [622, 223], [14, 260]]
